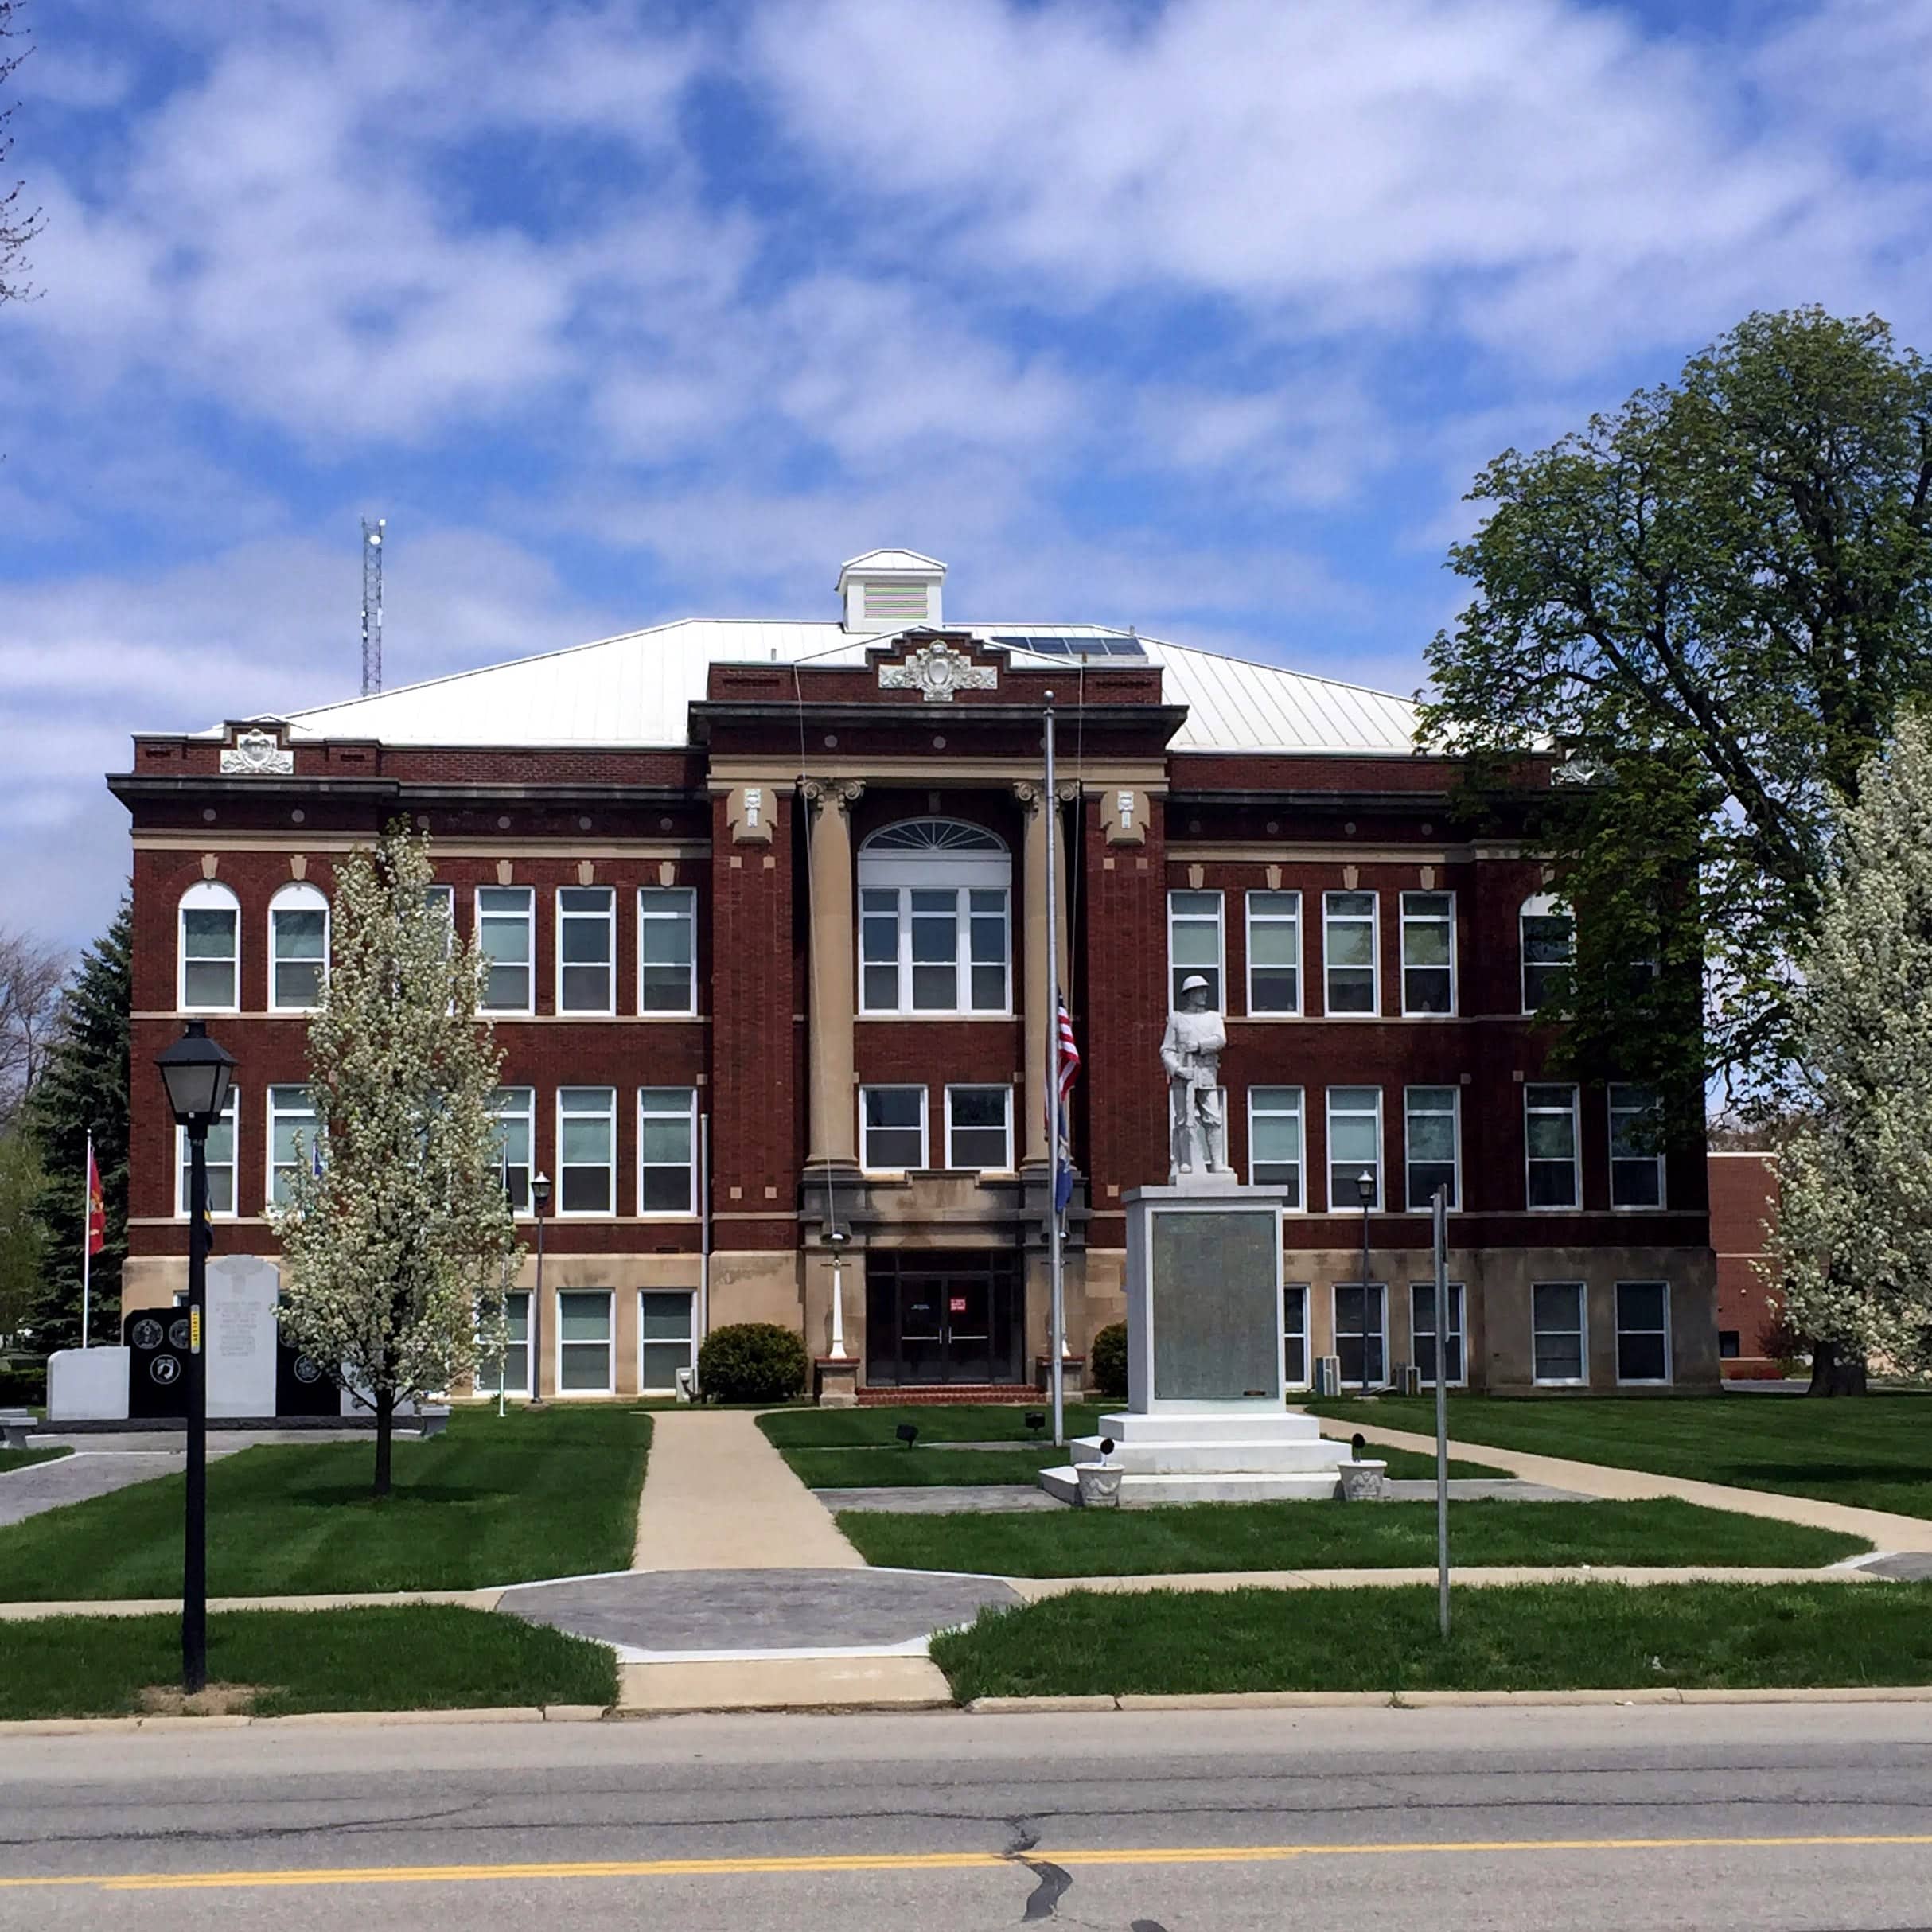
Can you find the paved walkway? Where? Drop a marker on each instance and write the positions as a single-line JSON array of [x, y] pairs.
[[75, 1479], [718, 1496], [1880, 1527]]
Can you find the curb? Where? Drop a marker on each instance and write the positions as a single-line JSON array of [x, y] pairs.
[[1445, 1700], [486, 1714]]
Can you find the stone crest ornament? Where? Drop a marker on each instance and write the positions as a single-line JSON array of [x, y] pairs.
[[936, 671], [257, 754]]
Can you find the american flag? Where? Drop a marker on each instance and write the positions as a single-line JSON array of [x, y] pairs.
[[1069, 1071]]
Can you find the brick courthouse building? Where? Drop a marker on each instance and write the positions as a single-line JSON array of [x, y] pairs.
[[776, 890]]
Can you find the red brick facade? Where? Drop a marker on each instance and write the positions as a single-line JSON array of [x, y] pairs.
[[1226, 823]]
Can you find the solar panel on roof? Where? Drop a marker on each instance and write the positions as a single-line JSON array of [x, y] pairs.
[[1077, 647]]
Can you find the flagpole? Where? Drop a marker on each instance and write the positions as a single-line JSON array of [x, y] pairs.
[[86, 1244], [1057, 1341]]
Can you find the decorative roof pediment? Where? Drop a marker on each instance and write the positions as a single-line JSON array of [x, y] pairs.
[[938, 667]]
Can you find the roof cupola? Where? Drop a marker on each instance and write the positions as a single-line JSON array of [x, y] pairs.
[[890, 590]]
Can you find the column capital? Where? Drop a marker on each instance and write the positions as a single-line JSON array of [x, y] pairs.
[[843, 793], [1030, 791]]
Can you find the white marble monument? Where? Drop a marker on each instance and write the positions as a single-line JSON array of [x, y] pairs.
[[1205, 1420], [241, 1335]]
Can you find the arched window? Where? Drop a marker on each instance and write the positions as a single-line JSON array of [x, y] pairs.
[[208, 952], [934, 923], [1550, 947], [297, 948]]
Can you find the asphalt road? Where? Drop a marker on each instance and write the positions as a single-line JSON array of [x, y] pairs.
[[1710, 1817]]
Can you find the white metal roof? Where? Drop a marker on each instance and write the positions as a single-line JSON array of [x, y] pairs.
[[635, 689], [880, 560]]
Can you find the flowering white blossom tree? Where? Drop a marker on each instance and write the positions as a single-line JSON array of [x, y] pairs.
[[1854, 1239], [397, 1241]]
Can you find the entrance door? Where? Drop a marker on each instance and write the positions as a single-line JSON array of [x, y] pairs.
[[935, 1318]]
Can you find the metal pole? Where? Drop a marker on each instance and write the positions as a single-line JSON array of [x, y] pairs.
[[704, 1229], [1366, 1185], [537, 1322], [1055, 1257], [1442, 1410], [194, 1554]]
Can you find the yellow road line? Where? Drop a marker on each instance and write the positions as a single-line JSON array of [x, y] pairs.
[[917, 1861]]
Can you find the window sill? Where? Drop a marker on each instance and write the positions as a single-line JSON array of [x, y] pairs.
[[927, 1015], [1575, 1382]]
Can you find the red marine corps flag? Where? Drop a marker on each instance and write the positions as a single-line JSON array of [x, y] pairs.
[[93, 1241]]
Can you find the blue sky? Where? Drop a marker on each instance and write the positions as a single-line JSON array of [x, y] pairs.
[[1197, 315]]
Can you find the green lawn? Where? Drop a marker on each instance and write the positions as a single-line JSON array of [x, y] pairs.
[[938, 1422], [1539, 1637], [1875, 1451], [1326, 1536], [552, 1494], [416, 1658], [11, 1459]]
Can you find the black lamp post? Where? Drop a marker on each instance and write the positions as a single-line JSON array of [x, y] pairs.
[[540, 1199], [1364, 1186], [196, 1071]]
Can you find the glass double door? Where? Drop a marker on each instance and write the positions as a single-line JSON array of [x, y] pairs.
[[937, 1318]]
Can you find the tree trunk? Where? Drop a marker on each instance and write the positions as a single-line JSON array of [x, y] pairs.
[[1835, 1374], [385, 1435]]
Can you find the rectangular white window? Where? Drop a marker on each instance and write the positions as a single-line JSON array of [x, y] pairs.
[[1554, 1167], [892, 1129], [587, 1149], [1549, 949], [667, 949], [586, 1348], [220, 1163], [211, 960], [441, 901], [291, 1139], [1274, 1139], [514, 1110], [1362, 1345], [1274, 952], [506, 935], [1294, 1334], [586, 949], [1643, 1331], [1636, 1149], [1193, 943], [979, 1127], [1556, 1321], [515, 1373], [1422, 1328], [298, 955], [1354, 1148], [1348, 953], [1434, 1138], [667, 1339], [1429, 952], [667, 1151], [934, 949]]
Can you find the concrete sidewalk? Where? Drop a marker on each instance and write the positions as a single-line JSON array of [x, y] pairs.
[[718, 1496], [1878, 1527]]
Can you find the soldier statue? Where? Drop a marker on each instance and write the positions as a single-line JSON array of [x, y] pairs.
[[1191, 1052]]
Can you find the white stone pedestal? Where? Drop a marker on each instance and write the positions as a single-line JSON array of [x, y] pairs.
[[1205, 1420], [87, 1386]]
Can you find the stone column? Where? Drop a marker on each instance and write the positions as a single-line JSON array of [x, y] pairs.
[[1037, 998], [834, 1129]]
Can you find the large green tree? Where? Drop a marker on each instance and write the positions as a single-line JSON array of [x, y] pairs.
[[83, 1089], [1853, 1247], [397, 1243], [1710, 603], [22, 1240]]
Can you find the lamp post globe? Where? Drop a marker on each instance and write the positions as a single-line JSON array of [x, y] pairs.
[[539, 1204], [198, 1073]]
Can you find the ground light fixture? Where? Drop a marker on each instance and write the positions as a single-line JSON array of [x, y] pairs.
[[1036, 1420], [196, 1072], [908, 1433], [540, 1201]]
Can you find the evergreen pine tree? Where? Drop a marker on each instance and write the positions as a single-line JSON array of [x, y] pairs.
[[84, 1091]]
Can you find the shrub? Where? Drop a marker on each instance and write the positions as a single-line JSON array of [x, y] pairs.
[[751, 1361], [23, 1385], [1107, 1360]]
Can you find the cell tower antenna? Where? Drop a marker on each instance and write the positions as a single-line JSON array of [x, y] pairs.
[[372, 535]]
